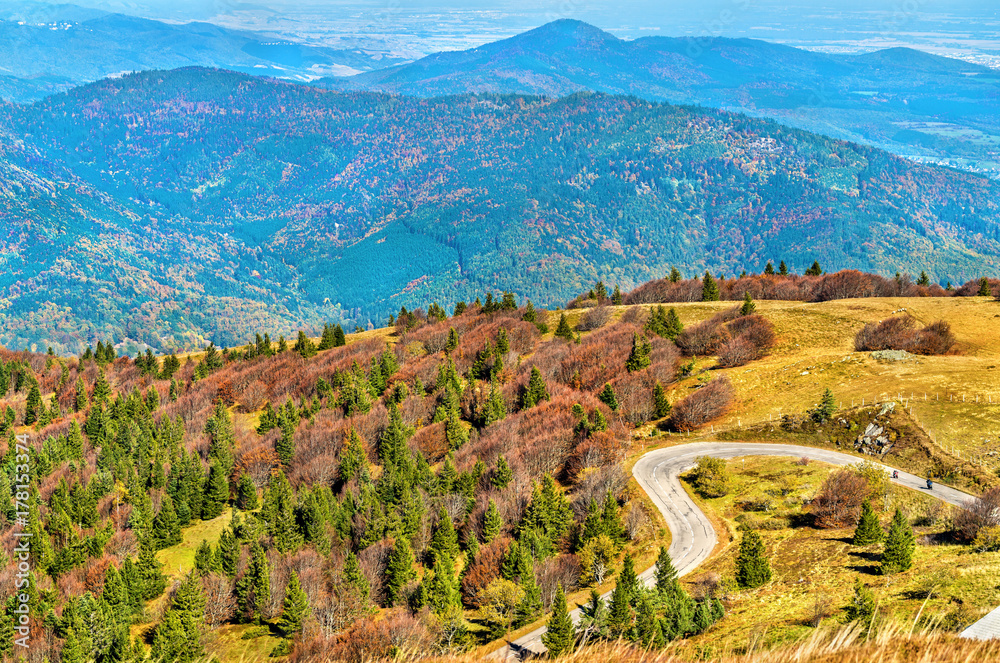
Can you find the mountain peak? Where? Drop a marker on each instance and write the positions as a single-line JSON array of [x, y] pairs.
[[566, 28]]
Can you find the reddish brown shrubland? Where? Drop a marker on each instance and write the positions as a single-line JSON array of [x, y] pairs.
[[704, 405], [838, 503], [982, 511], [485, 568], [899, 334]]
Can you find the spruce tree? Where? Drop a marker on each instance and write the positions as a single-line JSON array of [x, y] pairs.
[[647, 628], [294, 609], [862, 605], [616, 297], [815, 270], [667, 584], [924, 280], [492, 522], [752, 567], [769, 269], [899, 546], [709, 288], [984, 288], [166, 529], [529, 312], [399, 570], [32, 406], [80, 402], [559, 635], [628, 579], [354, 576], [536, 390], [216, 496], [611, 522], [672, 325], [246, 493], [639, 357], [444, 540], [253, 588], [502, 475], [620, 613], [304, 346], [150, 571], [868, 531], [783, 268], [563, 329], [827, 406], [284, 446], [593, 524], [442, 587], [608, 397], [675, 275], [228, 552], [72, 651], [748, 308], [203, 558], [495, 408], [661, 406]]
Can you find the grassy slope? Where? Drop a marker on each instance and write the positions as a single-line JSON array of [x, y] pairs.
[[813, 564]]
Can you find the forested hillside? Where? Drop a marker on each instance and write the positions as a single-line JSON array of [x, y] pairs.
[[431, 488], [288, 206]]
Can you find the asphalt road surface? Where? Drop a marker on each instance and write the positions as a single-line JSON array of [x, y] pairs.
[[692, 535]]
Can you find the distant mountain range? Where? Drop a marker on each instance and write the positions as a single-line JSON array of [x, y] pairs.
[[52, 48], [172, 208], [903, 100]]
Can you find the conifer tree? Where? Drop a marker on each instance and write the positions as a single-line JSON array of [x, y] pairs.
[[150, 571], [593, 524], [253, 588], [492, 522], [752, 567], [442, 587], [861, 607], [673, 325], [529, 312], [339, 337], [608, 397], [354, 576], [783, 268], [304, 346], [294, 609], [284, 446], [667, 583], [559, 635], [444, 540], [32, 406], [815, 270], [80, 401], [246, 493], [216, 492], [72, 651], [769, 269], [563, 329], [166, 530], [616, 297], [748, 308], [827, 406], [661, 406], [399, 570], [924, 280], [495, 408], [353, 459], [899, 546], [984, 288], [620, 613], [628, 579], [452, 341], [868, 531], [647, 627], [228, 552], [502, 475], [709, 288], [536, 390], [611, 522], [675, 275], [203, 558], [639, 357]]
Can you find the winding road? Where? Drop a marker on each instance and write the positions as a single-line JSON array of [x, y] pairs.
[[692, 535]]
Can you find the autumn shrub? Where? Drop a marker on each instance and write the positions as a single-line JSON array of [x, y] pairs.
[[703, 338], [977, 513], [484, 569], [704, 405], [838, 503], [899, 334], [594, 318]]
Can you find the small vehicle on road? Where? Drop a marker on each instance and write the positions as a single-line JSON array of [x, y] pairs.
[[930, 484], [895, 474]]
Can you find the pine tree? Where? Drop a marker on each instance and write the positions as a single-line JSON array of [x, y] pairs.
[[667, 583], [442, 587], [304, 346], [563, 330], [529, 312], [675, 275], [559, 635], [639, 357], [769, 269], [783, 268], [748, 307], [616, 297], [399, 570], [868, 531], [284, 446], [294, 609], [536, 390], [924, 280], [203, 558], [353, 459], [228, 552], [492, 522], [752, 567], [253, 588], [815, 270], [72, 651], [593, 524], [628, 579], [80, 402], [608, 397], [647, 628], [709, 288], [495, 408], [452, 342], [661, 406], [899, 546]]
